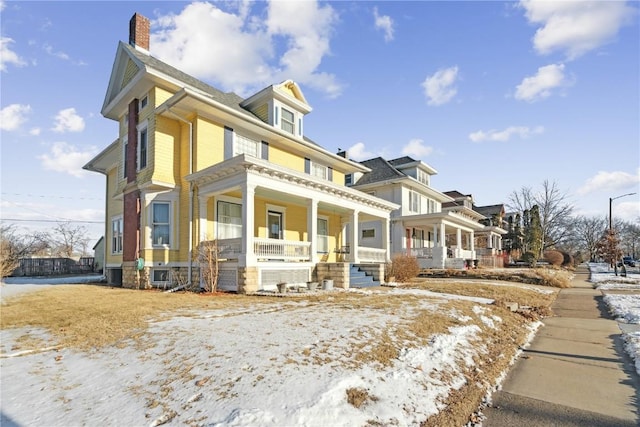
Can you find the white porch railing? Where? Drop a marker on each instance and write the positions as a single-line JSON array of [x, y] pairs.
[[281, 249], [422, 252], [371, 254]]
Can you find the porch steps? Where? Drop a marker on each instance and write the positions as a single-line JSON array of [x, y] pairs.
[[360, 279]]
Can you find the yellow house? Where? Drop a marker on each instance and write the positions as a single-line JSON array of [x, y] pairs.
[[193, 164]]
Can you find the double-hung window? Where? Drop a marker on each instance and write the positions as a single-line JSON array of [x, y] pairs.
[[229, 220], [116, 235], [287, 121], [323, 235], [319, 171], [160, 223], [143, 141], [414, 201]]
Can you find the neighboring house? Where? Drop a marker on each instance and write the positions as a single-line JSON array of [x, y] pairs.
[[98, 255], [194, 164], [440, 229], [488, 240]]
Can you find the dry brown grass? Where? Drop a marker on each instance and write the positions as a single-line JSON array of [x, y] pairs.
[[552, 277], [89, 316], [358, 397]]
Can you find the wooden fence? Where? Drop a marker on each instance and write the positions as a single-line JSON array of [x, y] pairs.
[[54, 266]]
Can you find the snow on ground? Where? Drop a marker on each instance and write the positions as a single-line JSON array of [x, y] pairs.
[[287, 364], [625, 304]]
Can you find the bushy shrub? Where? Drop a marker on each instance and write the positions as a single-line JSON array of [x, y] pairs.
[[404, 267], [568, 260], [555, 258], [530, 258]]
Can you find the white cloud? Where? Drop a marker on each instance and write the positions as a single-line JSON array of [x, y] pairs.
[[58, 54], [68, 121], [7, 56], [575, 27], [358, 152], [541, 85], [13, 116], [506, 134], [35, 131], [243, 52], [439, 88], [66, 158], [384, 23], [610, 181], [416, 148]]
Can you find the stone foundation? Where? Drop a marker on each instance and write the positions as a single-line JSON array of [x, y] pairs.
[[336, 271], [247, 280]]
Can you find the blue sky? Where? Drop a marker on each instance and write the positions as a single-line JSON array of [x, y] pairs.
[[495, 96]]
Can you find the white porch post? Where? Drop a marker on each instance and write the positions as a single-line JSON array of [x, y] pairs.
[[472, 238], [312, 229], [499, 241], [436, 239], [248, 202], [385, 239], [202, 220], [354, 236], [458, 242], [441, 237]]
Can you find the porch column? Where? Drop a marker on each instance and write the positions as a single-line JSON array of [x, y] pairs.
[[441, 236], [472, 241], [499, 242], [312, 229], [354, 236], [436, 238], [458, 242], [386, 239], [248, 210], [202, 220]]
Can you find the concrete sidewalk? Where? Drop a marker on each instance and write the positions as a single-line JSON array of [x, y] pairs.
[[575, 373]]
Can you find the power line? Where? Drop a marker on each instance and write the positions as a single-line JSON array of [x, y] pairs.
[[49, 196], [51, 220]]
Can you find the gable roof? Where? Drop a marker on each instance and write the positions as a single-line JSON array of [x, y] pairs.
[[490, 210], [159, 69], [401, 161]]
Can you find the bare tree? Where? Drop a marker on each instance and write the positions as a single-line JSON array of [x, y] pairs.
[[14, 246], [587, 233], [209, 254], [67, 238], [554, 208]]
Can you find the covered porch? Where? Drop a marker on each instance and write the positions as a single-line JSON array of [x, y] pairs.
[[273, 224], [440, 240]]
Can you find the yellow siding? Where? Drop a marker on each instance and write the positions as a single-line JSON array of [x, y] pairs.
[[209, 144], [260, 217], [288, 160], [129, 72], [338, 177], [114, 208], [159, 96], [165, 152]]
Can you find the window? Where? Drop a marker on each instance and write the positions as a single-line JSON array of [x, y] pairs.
[[368, 233], [125, 146], [319, 171], [116, 235], [160, 275], [423, 177], [229, 220], [244, 145], [414, 201], [274, 225], [432, 206], [142, 148], [323, 235], [144, 101], [160, 223], [287, 121], [348, 179], [417, 237]]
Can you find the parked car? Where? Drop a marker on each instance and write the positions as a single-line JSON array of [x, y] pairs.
[[627, 260]]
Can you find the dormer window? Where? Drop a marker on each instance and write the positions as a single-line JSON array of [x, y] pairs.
[[287, 122]]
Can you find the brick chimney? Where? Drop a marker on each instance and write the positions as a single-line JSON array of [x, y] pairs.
[[139, 32]]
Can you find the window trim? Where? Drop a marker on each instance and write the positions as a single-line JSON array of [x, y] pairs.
[[371, 231], [114, 250], [157, 270], [414, 199], [324, 237], [142, 128], [217, 215], [169, 224], [291, 122], [144, 101]]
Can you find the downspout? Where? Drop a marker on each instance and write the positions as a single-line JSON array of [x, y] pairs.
[[191, 191]]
